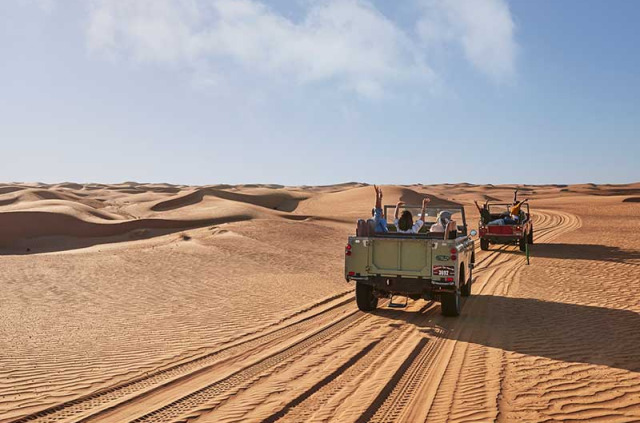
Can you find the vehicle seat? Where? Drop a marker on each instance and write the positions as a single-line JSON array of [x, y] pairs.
[[362, 228], [451, 231], [371, 224]]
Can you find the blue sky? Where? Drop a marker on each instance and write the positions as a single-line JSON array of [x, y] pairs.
[[319, 92]]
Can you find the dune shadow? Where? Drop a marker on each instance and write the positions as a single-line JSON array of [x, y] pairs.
[[276, 200], [558, 331], [43, 232]]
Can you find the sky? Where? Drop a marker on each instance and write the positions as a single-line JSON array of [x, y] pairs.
[[314, 92]]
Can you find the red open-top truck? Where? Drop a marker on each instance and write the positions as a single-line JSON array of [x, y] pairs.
[[520, 232]]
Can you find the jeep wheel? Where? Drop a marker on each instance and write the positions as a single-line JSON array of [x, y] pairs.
[[450, 304], [465, 290], [530, 237], [523, 243], [364, 297], [484, 244]]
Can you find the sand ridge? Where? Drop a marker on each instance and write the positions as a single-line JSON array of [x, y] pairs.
[[160, 302]]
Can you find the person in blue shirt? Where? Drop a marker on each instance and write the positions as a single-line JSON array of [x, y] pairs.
[[378, 215]]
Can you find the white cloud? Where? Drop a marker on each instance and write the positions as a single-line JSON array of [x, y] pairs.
[[348, 42], [484, 29], [146, 30]]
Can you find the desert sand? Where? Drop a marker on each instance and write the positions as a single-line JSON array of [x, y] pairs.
[[161, 303]]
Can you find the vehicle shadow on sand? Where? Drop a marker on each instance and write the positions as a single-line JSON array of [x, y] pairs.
[[582, 252], [558, 331]]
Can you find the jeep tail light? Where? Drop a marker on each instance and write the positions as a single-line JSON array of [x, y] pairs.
[[352, 273], [454, 257], [347, 250], [454, 251], [348, 247], [449, 279]]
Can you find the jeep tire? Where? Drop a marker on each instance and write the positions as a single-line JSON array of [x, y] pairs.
[[365, 298], [465, 290], [484, 244], [523, 243], [450, 304]]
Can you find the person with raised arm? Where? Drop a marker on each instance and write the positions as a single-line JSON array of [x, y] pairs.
[[378, 216], [485, 215], [404, 223]]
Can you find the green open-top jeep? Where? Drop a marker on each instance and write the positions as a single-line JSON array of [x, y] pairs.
[[429, 265]]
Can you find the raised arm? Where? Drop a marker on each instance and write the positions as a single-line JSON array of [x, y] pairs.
[[477, 205], [398, 205], [378, 197], [424, 207]]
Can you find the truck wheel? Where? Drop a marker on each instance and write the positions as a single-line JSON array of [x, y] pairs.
[[450, 304], [484, 244], [523, 243], [465, 290], [364, 297], [530, 237]]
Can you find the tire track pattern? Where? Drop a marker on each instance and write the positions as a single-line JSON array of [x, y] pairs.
[[111, 397], [501, 271], [199, 400], [317, 398], [471, 388]]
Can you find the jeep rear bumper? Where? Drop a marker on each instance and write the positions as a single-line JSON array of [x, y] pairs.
[[411, 287]]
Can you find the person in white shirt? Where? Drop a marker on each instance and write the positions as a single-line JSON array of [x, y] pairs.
[[443, 219], [404, 224]]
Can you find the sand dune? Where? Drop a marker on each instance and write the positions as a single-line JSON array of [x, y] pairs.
[[160, 303]]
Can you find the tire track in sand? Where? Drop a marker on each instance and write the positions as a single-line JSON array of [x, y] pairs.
[[471, 386], [427, 378], [311, 405], [209, 396], [425, 374], [87, 406]]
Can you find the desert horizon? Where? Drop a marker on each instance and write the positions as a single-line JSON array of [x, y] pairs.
[[159, 302]]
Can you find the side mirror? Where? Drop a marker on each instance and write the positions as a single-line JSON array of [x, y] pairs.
[[473, 232]]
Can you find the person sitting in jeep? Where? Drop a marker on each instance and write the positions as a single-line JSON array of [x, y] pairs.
[[512, 217], [515, 209], [380, 223], [404, 224], [442, 221], [485, 215]]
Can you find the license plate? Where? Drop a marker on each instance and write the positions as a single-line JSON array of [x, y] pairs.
[[443, 270]]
